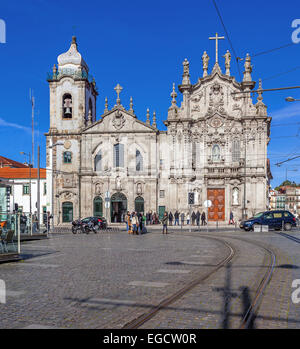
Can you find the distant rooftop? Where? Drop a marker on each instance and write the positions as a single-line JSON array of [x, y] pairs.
[[22, 173], [5, 162]]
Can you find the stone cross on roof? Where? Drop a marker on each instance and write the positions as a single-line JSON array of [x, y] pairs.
[[217, 38], [118, 90]]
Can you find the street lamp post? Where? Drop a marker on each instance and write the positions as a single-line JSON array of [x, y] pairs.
[[30, 195], [292, 99]]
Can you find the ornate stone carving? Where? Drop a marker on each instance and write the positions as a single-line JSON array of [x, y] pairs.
[[68, 181], [119, 120], [216, 122], [98, 188], [216, 100]]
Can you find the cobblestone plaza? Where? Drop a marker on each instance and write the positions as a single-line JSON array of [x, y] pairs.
[[107, 280]]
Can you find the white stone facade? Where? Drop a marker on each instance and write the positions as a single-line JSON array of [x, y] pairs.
[[203, 150]]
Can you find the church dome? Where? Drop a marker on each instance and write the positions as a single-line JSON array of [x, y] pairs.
[[72, 58]]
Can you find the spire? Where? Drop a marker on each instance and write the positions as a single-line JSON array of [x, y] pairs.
[[106, 105], [148, 117], [261, 108], [74, 41], [54, 69], [131, 106], [173, 95], [154, 120], [186, 73]]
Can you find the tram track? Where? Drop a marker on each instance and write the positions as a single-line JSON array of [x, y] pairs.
[[258, 295]]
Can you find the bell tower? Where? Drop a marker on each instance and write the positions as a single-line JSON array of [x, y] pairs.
[[73, 93]]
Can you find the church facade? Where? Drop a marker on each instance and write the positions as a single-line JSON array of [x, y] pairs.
[[214, 149]]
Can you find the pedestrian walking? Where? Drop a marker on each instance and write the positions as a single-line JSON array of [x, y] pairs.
[[193, 218], [231, 221], [148, 218], [203, 218], [198, 215], [23, 222], [171, 218], [176, 216], [135, 223], [182, 218], [165, 223], [188, 218], [128, 223]]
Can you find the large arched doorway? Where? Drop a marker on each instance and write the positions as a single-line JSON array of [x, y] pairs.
[[139, 204], [118, 208], [98, 206], [67, 212]]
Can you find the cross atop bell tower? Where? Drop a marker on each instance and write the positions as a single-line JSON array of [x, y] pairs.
[[217, 38]]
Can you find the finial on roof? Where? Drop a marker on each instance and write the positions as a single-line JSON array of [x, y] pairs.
[[118, 90], [248, 69], [173, 95], [106, 105], [148, 117], [154, 120], [205, 59], [131, 105]]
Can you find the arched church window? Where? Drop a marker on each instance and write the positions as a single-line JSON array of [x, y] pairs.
[[236, 150], [98, 161], [216, 153], [67, 106], [139, 160], [67, 155], [119, 155]]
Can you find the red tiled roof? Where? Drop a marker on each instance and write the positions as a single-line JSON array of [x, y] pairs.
[[5, 162], [20, 173]]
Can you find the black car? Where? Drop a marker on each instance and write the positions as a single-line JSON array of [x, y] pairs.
[[99, 221], [274, 219]]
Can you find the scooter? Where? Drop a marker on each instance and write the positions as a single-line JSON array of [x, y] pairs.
[[88, 227]]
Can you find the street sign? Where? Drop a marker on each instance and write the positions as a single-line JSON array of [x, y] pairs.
[[207, 203], [107, 199], [107, 194]]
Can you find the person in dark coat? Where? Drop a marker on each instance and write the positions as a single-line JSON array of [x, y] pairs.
[[176, 216], [193, 218], [198, 215], [203, 218], [171, 218], [165, 223], [182, 216]]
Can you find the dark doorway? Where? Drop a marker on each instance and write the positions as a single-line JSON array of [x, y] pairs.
[[139, 204], [118, 208]]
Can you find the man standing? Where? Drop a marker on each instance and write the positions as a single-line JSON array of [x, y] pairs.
[[182, 218], [198, 215], [203, 222], [176, 215], [170, 218], [193, 218], [134, 222]]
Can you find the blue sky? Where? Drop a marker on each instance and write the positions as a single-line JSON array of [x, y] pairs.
[[141, 45]]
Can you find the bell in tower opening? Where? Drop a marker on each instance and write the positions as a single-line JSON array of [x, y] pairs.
[[67, 106]]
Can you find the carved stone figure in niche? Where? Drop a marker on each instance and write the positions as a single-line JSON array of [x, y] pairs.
[[235, 196], [227, 57], [118, 183], [205, 59], [139, 188], [98, 188]]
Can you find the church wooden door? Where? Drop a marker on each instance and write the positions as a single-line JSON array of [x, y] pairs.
[[217, 210]]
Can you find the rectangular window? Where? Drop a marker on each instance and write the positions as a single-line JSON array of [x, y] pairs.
[[277, 215], [26, 189], [67, 157], [119, 155], [161, 194]]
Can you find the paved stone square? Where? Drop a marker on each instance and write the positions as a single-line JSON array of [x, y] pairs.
[[107, 280]]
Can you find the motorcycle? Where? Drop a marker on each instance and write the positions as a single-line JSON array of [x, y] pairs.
[[88, 227], [77, 226]]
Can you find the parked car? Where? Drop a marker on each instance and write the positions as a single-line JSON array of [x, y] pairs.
[[274, 219], [97, 221]]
